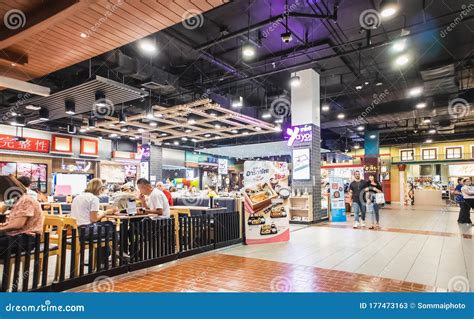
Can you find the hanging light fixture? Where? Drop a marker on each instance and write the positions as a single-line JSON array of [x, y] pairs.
[[388, 8], [295, 81], [248, 50]]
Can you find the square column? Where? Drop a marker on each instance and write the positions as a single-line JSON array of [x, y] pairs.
[[305, 112]]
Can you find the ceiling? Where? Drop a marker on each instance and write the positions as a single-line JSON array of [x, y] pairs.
[[201, 58]]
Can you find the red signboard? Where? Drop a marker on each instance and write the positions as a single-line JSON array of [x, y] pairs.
[[29, 144]]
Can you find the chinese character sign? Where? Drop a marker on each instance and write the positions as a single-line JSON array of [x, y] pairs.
[[29, 144]]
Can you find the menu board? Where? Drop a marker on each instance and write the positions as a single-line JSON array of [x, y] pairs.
[[301, 164], [38, 173], [266, 202], [338, 207]]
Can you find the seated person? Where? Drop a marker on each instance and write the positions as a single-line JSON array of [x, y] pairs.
[[25, 218], [122, 197], [165, 191], [152, 199], [85, 207], [26, 181]]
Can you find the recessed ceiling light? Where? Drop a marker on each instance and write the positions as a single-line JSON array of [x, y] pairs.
[[124, 129], [132, 137], [234, 131], [279, 121], [194, 140], [176, 143], [188, 131], [245, 133], [378, 83], [429, 140], [111, 124], [153, 124], [248, 50], [217, 126], [402, 60], [399, 45], [83, 35], [113, 135], [416, 91], [421, 105], [372, 136], [191, 121], [217, 137], [341, 116], [266, 115], [213, 114], [207, 135], [258, 128], [141, 130], [426, 120], [33, 107], [325, 108], [167, 143], [360, 128], [357, 146], [150, 116], [432, 131], [184, 138], [163, 134], [147, 46], [13, 64], [82, 130], [366, 83], [358, 87]]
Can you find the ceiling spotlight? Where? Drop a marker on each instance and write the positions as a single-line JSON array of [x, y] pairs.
[[279, 121], [401, 60], [70, 107], [44, 114], [379, 83], [213, 114], [266, 115], [245, 133], [373, 136], [141, 130], [421, 105], [33, 107], [191, 121], [257, 128], [207, 135], [416, 91], [356, 146], [432, 131], [150, 116], [176, 143], [147, 46], [248, 50], [71, 129], [194, 140], [388, 8], [399, 45], [184, 138], [234, 131], [217, 137], [366, 83], [188, 131], [286, 37], [429, 140], [113, 135], [295, 81], [153, 124], [83, 35], [358, 87], [217, 126], [82, 130], [239, 102], [122, 118], [163, 134], [325, 108], [360, 128], [341, 116], [124, 129], [18, 121], [132, 138], [426, 120]]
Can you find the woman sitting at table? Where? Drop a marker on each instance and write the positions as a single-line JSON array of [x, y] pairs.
[[85, 208], [25, 217]]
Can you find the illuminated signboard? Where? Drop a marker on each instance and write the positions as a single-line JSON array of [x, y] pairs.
[[299, 134]]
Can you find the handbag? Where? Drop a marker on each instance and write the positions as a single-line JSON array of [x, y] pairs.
[[380, 198]]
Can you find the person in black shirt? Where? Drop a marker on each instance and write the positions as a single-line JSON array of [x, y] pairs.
[[356, 188], [373, 187]]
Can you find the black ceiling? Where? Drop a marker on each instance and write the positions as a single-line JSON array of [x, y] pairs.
[[205, 55]]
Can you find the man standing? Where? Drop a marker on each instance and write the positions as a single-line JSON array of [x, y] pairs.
[[460, 200], [356, 188], [156, 202]]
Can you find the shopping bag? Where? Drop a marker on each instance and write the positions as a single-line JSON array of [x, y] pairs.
[[380, 198]]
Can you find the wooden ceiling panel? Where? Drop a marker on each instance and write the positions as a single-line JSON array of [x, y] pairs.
[[50, 43]]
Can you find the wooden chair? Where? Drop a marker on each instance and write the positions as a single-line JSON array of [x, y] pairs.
[[176, 212], [50, 207], [55, 226]]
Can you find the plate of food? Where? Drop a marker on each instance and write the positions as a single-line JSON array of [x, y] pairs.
[[268, 230]]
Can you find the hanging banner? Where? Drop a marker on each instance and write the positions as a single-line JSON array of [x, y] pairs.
[[266, 202], [223, 166], [338, 207]]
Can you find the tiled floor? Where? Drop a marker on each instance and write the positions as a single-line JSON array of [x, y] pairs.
[[416, 250]]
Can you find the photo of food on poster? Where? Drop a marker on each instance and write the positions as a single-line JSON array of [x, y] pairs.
[[266, 194]]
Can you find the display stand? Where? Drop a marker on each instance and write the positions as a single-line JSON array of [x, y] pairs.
[[301, 209]]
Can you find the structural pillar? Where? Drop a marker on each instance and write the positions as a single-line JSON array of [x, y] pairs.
[[156, 163], [305, 114]]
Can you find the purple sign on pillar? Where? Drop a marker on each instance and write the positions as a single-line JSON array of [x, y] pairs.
[[299, 134]]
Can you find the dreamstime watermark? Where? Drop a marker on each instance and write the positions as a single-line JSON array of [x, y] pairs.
[[459, 108], [459, 284], [378, 98], [370, 19], [192, 19], [12, 194], [280, 108], [103, 107], [14, 19], [281, 284], [15, 108], [110, 10], [274, 26], [464, 13], [103, 284]]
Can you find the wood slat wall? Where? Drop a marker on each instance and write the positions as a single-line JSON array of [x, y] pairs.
[[60, 44]]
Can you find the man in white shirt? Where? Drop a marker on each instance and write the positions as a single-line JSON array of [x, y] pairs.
[[155, 202]]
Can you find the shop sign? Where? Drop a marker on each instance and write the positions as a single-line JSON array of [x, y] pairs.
[[27, 144], [299, 134]]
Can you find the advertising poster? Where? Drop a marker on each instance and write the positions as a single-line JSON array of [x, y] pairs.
[[301, 164], [223, 166], [266, 194], [338, 208]]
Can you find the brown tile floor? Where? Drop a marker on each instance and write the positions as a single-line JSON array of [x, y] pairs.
[[217, 272]]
